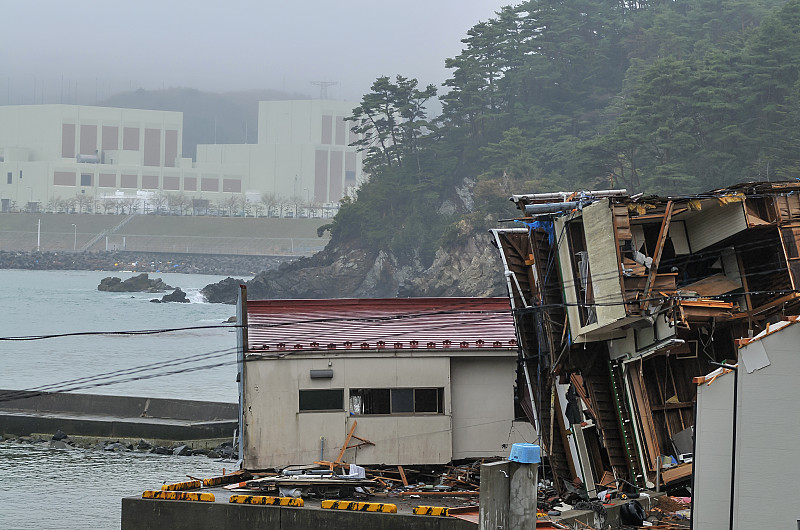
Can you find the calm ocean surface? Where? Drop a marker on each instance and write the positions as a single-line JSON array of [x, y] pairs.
[[82, 489]]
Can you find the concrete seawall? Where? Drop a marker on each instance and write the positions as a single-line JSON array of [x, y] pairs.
[[147, 514], [24, 413]]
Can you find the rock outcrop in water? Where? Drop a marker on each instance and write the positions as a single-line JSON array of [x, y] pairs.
[[136, 284], [176, 296]]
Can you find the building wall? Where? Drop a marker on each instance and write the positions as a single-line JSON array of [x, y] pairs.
[[310, 148], [276, 433], [476, 420], [604, 266], [767, 431], [714, 223], [483, 408]]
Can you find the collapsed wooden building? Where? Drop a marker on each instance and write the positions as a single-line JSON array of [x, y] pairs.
[[621, 300]]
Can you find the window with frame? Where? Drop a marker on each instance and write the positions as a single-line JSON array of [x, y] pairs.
[[323, 400], [366, 401]]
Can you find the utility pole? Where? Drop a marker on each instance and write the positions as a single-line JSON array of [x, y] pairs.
[[75, 239]]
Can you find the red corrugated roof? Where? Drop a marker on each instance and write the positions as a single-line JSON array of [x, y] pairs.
[[379, 323]]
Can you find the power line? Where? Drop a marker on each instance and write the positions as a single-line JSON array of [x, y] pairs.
[[164, 368], [366, 319], [113, 333]]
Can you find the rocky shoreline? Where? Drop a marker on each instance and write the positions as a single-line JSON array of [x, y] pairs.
[[142, 262], [61, 440]]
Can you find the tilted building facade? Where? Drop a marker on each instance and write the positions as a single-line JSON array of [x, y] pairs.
[[620, 301]]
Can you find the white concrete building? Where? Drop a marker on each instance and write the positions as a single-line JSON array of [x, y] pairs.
[[50, 152], [378, 381], [302, 152]]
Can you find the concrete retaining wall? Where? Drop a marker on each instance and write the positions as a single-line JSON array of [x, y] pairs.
[[121, 406]]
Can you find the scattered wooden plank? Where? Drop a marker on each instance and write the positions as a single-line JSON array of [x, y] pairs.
[[662, 237], [346, 442], [402, 475]]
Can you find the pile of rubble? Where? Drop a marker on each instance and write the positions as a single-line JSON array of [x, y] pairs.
[[329, 479]]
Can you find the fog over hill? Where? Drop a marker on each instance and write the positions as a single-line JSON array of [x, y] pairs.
[[208, 117]]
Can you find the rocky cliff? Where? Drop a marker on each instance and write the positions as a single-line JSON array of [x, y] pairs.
[[469, 267]]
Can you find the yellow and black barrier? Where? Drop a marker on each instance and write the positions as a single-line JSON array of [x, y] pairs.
[[360, 506], [178, 495], [440, 511], [262, 499], [223, 479], [188, 485]]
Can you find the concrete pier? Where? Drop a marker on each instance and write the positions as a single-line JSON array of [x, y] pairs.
[[115, 416]]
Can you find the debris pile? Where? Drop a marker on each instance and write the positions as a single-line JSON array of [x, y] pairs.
[[336, 480]]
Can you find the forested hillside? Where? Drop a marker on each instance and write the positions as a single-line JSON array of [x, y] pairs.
[[661, 96], [657, 96]]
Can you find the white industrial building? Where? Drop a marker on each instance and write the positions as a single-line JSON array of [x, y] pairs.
[[50, 152]]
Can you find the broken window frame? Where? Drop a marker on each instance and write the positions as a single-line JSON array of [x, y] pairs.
[[395, 401], [581, 272]]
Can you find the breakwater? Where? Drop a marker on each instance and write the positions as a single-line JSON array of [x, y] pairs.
[[124, 261], [26, 412]]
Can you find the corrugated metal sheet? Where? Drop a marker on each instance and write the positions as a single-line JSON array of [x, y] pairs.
[[370, 324]]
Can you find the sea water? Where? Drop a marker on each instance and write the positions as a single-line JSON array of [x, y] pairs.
[[42, 487]]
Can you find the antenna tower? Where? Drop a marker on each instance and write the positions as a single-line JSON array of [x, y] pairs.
[[323, 87]]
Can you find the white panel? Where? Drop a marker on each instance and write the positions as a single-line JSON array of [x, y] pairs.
[[714, 223], [598, 225], [712, 459], [677, 233], [754, 356], [767, 434]]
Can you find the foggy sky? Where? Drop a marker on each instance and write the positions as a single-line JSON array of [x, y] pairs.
[[54, 49]]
